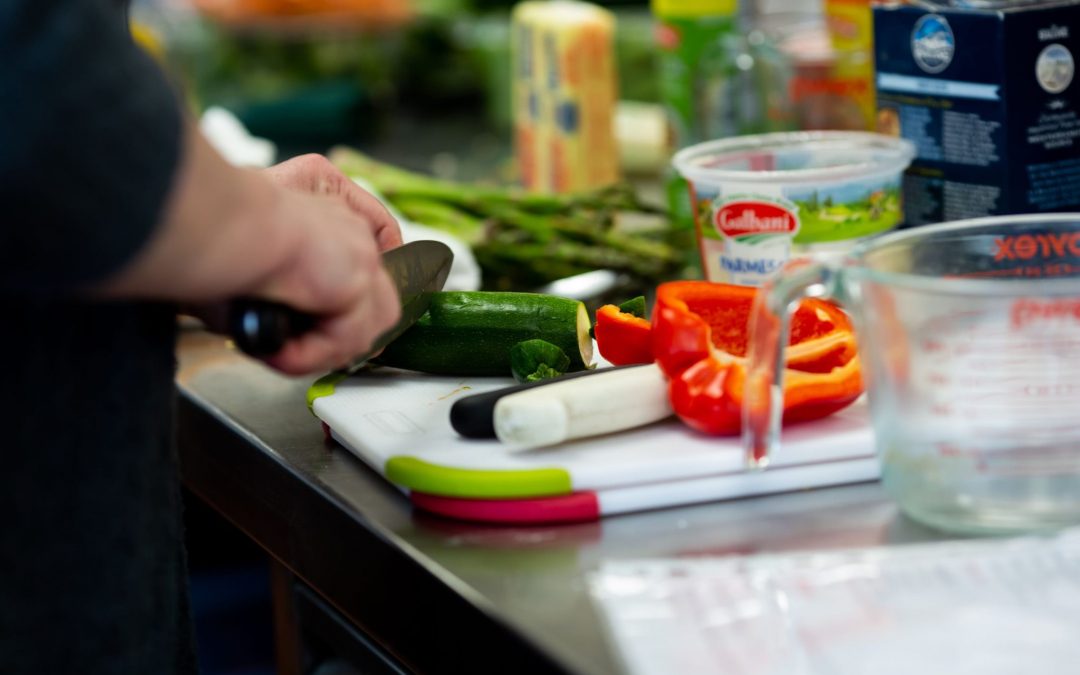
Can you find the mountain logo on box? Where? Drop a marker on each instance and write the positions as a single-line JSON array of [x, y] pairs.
[[750, 217], [1054, 69], [932, 43]]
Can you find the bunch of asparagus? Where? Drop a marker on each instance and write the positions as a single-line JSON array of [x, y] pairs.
[[523, 240]]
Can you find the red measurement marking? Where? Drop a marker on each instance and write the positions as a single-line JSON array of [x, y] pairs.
[[950, 450], [941, 410], [1027, 311], [933, 346]]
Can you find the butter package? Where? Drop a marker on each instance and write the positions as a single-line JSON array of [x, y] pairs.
[[564, 93], [984, 91]]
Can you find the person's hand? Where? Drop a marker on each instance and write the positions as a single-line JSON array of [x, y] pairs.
[[337, 272], [300, 233], [334, 271], [315, 174]]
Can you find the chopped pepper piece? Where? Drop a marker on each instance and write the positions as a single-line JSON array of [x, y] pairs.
[[622, 333], [700, 340]]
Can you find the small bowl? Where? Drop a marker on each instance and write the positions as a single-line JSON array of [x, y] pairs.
[[758, 200]]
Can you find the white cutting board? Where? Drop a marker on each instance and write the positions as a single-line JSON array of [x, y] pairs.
[[398, 423]]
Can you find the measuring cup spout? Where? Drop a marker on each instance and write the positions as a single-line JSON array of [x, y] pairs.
[[769, 330], [763, 392]]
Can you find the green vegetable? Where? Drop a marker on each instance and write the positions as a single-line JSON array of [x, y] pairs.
[[523, 239], [635, 306], [534, 360], [465, 227], [473, 332]]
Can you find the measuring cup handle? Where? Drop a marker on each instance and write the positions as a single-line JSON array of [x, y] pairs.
[[769, 328]]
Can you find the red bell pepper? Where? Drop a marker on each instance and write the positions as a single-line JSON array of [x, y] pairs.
[[622, 337], [700, 340]]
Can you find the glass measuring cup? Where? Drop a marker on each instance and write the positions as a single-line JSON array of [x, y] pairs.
[[969, 337]]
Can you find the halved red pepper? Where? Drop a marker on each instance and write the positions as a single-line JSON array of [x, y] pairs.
[[700, 339], [622, 337]]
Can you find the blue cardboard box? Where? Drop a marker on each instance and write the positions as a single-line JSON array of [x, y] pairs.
[[986, 92]]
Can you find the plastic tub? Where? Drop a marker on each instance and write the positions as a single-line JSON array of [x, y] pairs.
[[759, 200]]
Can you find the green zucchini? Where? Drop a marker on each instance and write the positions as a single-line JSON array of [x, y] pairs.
[[472, 332]]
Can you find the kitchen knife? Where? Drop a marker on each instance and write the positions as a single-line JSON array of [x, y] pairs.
[[262, 327], [474, 416], [608, 401], [578, 405]]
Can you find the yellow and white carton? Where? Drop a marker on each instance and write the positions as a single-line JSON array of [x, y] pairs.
[[565, 91]]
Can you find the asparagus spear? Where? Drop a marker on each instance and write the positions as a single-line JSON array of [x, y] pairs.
[[525, 239], [443, 216], [394, 181]]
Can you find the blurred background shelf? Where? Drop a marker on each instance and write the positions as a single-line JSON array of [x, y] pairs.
[[310, 81]]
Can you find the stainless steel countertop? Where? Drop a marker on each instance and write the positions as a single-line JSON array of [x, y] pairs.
[[448, 596]]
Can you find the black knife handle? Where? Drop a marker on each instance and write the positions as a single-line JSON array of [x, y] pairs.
[[474, 416], [262, 327]]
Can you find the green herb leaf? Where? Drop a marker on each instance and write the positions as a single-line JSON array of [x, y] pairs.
[[543, 372], [532, 360]]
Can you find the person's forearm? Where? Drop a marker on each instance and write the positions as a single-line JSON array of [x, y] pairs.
[[219, 233]]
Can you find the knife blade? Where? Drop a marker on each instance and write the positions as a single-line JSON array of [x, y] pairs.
[[261, 327]]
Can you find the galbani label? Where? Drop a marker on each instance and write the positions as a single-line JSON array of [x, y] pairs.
[[739, 218]]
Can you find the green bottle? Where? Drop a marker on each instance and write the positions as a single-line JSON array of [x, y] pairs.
[[690, 34]]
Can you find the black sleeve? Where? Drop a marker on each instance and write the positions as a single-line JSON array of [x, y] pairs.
[[90, 137]]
